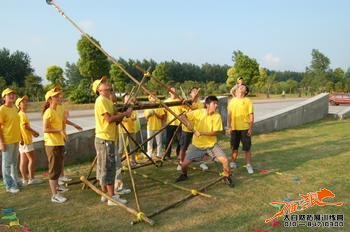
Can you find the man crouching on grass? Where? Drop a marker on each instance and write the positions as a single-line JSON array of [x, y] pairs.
[[207, 124]]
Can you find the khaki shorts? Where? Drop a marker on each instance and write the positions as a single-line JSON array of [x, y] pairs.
[[55, 158], [196, 154], [25, 148], [106, 165]]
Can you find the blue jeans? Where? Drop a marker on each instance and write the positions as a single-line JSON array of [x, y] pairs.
[[10, 166]]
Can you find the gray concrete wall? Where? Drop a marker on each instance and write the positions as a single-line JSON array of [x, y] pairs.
[[312, 109], [344, 114]]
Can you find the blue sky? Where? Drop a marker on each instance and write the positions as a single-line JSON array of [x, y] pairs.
[[279, 34]]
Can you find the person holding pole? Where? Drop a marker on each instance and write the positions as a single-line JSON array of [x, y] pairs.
[[106, 134], [207, 123]]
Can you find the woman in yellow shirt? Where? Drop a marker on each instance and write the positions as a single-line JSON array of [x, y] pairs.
[[9, 138], [26, 148], [54, 142]]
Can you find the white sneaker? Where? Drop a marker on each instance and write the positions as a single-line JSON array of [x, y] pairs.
[[123, 191], [57, 198], [117, 198], [65, 178], [249, 168], [60, 182], [12, 190], [203, 166], [103, 199], [62, 189], [35, 181], [233, 165], [25, 182], [178, 168]]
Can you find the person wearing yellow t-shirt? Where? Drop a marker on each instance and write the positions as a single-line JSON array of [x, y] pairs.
[[187, 134], [54, 142], [105, 136], [174, 126], [64, 114], [10, 136], [26, 148], [240, 120], [207, 124], [130, 124], [154, 119]]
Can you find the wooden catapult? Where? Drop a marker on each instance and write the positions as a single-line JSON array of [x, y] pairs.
[[140, 216]]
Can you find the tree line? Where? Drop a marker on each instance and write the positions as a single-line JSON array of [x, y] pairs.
[[76, 77]]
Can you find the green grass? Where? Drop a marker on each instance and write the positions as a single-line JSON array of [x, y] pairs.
[[318, 153]]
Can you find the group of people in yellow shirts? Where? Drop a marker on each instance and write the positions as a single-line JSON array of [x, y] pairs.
[[195, 126], [16, 135]]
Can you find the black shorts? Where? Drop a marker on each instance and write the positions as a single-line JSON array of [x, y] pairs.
[[238, 136], [185, 139]]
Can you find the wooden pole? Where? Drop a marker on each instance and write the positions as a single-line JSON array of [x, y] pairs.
[[131, 176], [90, 171], [171, 142], [192, 191], [139, 214], [172, 205]]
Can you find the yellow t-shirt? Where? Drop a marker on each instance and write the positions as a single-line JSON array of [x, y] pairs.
[[153, 122], [195, 105], [9, 121], [203, 122], [176, 109], [104, 130], [130, 123], [240, 109], [26, 134], [55, 119]]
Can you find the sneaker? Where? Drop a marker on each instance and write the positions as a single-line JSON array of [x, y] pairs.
[[35, 181], [178, 168], [12, 190], [203, 166], [62, 189], [103, 199], [249, 168], [65, 178], [24, 182], [117, 198], [182, 177], [123, 191], [228, 180], [60, 182], [233, 165], [57, 198]]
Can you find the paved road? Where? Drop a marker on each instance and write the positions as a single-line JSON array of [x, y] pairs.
[[85, 118]]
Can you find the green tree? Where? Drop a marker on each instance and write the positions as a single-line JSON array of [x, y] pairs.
[[33, 87], [162, 73], [245, 67], [14, 67], [2, 83], [291, 85], [54, 74], [231, 77], [82, 93], [118, 78], [72, 74], [92, 62]]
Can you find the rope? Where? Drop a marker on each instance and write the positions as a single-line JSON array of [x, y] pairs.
[[194, 192], [140, 216]]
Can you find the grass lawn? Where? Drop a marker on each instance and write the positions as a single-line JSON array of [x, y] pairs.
[[317, 154]]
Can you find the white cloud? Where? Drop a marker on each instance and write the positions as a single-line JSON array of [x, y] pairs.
[[271, 61], [87, 25]]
